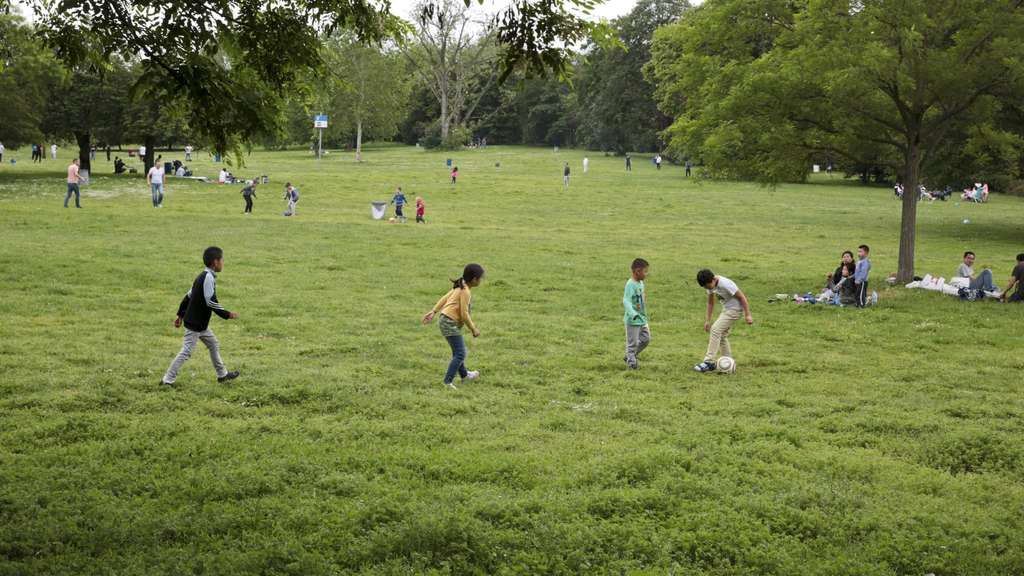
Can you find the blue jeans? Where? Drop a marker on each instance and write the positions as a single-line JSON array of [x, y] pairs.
[[73, 188], [457, 365], [983, 282], [158, 194]]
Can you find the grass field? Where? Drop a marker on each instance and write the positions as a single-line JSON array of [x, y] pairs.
[[857, 442]]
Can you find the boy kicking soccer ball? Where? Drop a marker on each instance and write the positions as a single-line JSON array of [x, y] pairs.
[[194, 312], [634, 299], [734, 302]]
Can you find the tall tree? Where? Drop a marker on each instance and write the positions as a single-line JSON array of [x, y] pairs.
[[448, 52], [760, 86], [617, 107], [232, 62], [28, 74], [367, 88]]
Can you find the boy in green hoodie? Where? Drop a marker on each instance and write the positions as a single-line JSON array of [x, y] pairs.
[[638, 335]]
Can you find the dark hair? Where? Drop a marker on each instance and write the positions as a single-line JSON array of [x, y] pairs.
[[469, 273], [638, 264], [864, 247], [1020, 257], [969, 253], [704, 277], [845, 252], [211, 254]]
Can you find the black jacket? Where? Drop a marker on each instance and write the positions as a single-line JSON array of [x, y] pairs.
[[200, 302]]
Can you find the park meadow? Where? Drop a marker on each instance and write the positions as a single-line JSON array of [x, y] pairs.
[[883, 441]]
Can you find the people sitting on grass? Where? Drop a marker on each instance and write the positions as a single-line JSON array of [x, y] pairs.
[[1016, 281], [119, 166], [979, 193], [981, 281], [840, 282], [222, 177]]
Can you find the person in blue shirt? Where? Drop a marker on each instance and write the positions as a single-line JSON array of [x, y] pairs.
[[399, 202]]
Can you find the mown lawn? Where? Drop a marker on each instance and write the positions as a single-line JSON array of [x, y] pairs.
[[860, 442]]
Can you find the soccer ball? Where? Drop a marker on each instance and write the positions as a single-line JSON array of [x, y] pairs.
[[726, 365]]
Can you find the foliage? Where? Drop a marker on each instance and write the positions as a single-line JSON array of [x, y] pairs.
[[28, 74], [760, 86], [836, 449]]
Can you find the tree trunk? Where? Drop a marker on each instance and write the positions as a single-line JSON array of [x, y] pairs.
[[84, 139], [359, 140], [147, 161], [444, 112], [908, 224]]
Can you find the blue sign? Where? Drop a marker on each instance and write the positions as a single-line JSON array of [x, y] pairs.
[[320, 121]]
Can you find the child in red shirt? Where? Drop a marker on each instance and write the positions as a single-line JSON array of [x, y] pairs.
[[420, 208]]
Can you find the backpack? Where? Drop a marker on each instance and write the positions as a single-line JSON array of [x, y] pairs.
[[295, 194], [969, 295]]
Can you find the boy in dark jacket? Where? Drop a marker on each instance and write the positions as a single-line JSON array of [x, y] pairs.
[[195, 311]]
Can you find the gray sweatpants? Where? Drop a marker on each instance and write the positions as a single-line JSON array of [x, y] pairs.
[[637, 338], [188, 346]]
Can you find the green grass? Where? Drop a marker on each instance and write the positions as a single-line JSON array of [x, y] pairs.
[[882, 441]]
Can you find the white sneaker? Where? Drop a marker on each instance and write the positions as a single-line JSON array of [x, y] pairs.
[[472, 375], [451, 385]]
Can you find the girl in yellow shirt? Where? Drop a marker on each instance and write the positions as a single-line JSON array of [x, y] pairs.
[[454, 308]]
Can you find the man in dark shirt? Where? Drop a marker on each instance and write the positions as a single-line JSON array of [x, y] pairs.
[[1016, 279], [194, 312]]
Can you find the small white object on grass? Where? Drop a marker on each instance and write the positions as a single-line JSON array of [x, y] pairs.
[[967, 221]]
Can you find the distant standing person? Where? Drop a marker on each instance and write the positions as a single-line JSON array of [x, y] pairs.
[[860, 275], [142, 153], [565, 175], [248, 193], [586, 164], [399, 201], [155, 177], [629, 163], [1, 152], [689, 167], [53, 151], [194, 312], [92, 153], [188, 152], [291, 194], [634, 300], [657, 161], [455, 174], [421, 208], [73, 180]]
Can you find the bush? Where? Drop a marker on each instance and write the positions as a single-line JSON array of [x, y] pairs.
[[458, 136]]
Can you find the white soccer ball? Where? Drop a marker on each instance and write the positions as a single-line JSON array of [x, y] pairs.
[[726, 365]]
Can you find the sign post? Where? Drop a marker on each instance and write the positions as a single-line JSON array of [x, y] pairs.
[[320, 122]]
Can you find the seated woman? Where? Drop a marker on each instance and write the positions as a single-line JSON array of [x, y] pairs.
[[841, 280]]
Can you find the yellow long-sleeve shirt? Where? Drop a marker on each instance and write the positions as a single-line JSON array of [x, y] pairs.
[[455, 305]]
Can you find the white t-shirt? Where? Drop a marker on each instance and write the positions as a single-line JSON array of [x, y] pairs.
[[156, 175], [726, 292], [142, 150], [1, 148], [188, 149], [223, 176]]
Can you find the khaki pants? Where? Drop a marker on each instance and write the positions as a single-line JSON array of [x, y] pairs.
[[719, 339], [188, 345]]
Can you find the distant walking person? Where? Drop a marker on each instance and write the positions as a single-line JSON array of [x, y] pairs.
[[248, 193], [155, 177], [142, 153], [586, 164], [92, 153], [689, 167], [455, 174], [399, 201], [565, 175], [188, 152], [657, 161], [1, 152], [421, 209], [194, 312], [629, 163], [53, 151], [73, 180]]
